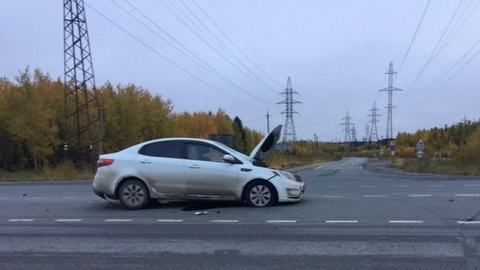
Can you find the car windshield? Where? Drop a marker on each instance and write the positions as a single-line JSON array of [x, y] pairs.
[[231, 150]]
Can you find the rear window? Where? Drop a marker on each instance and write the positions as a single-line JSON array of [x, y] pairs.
[[171, 149]]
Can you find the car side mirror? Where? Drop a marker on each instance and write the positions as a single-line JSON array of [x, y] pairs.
[[229, 159]]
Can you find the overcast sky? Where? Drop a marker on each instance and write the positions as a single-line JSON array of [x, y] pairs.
[[335, 52]]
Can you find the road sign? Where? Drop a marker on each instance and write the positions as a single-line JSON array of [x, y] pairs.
[[419, 154], [420, 146]]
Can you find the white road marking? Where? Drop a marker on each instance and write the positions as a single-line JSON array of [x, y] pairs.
[[170, 220], [281, 221], [332, 196], [420, 195], [21, 220], [467, 195], [224, 220], [341, 221], [468, 222], [435, 185], [368, 186], [375, 196], [405, 221], [68, 220], [473, 185], [402, 186], [118, 220]]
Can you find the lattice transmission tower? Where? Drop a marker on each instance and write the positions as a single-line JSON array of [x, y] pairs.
[[289, 129], [348, 127], [390, 106], [83, 133], [373, 136]]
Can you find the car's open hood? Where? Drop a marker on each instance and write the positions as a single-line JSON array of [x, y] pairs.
[[263, 149]]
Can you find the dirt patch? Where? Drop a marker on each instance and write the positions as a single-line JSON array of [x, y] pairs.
[[380, 165]]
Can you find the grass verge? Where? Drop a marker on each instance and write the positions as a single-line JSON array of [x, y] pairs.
[[65, 171], [435, 165]]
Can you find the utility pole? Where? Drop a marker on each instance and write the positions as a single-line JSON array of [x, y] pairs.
[[289, 131], [268, 122], [82, 120], [348, 128], [373, 131], [390, 106]]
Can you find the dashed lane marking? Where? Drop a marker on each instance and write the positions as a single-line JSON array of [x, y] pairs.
[[118, 220], [467, 195], [405, 221], [332, 196], [68, 220], [472, 185], [224, 220], [170, 220], [435, 185], [281, 221], [341, 221], [21, 220], [468, 222], [420, 195]]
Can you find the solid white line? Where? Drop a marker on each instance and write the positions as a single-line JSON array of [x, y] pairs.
[[468, 222], [117, 220], [170, 220], [435, 185], [224, 220], [375, 196], [341, 221], [21, 220], [68, 220], [332, 196], [281, 221], [467, 195], [420, 195], [405, 221]]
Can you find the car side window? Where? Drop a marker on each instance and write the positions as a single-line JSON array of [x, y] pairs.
[[168, 149], [204, 152]]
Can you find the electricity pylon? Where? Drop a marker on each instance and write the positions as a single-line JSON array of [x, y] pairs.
[[83, 133], [348, 128], [289, 129], [390, 106], [373, 130]]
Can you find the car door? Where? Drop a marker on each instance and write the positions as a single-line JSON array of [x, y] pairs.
[[206, 174], [162, 166]]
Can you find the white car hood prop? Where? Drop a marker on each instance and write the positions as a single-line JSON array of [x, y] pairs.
[[267, 145]]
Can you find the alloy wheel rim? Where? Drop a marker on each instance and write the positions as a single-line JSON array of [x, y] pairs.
[[260, 195], [133, 194]]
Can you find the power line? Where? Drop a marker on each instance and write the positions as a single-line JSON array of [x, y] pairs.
[[240, 50], [414, 35], [168, 60], [210, 69]]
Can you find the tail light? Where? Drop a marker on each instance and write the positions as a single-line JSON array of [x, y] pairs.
[[104, 162]]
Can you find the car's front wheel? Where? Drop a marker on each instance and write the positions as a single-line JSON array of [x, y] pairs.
[[134, 194], [260, 194]]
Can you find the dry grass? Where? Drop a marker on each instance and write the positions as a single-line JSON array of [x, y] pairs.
[[436, 165], [63, 172]]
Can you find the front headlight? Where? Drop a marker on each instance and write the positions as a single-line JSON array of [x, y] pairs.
[[293, 192]]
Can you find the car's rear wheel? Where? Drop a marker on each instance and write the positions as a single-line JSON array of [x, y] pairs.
[[134, 194], [260, 194]]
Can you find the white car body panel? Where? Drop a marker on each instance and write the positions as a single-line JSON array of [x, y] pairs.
[[184, 178]]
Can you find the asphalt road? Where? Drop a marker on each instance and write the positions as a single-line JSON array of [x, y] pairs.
[[349, 218]]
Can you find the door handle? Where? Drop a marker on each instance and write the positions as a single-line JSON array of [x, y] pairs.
[[194, 166], [145, 161]]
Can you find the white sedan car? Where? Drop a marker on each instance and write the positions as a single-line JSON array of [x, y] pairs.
[[193, 169]]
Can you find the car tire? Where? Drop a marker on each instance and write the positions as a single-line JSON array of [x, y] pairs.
[[134, 194], [260, 194]]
